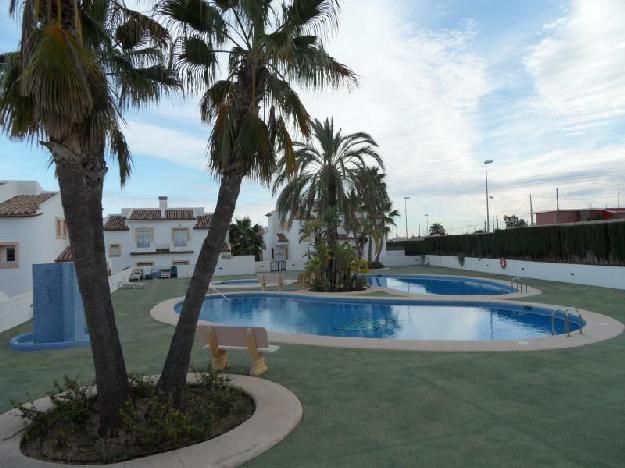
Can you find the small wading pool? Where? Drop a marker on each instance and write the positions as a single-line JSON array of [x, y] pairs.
[[440, 285], [384, 318]]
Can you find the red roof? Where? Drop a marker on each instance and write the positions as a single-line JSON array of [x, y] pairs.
[[154, 214], [203, 221], [24, 205], [116, 223], [65, 256]]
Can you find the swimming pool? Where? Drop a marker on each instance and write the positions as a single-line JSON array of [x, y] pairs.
[[384, 318], [440, 285]]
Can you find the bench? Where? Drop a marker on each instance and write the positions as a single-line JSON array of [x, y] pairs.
[[220, 339]]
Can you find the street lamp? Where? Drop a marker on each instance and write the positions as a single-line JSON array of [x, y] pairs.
[[406, 215], [486, 163], [427, 224], [492, 202]]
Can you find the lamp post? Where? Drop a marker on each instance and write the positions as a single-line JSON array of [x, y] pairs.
[[492, 202], [486, 163], [427, 224], [406, 215]]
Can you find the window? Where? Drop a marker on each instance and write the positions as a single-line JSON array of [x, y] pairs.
[[145, 264], [181, 262], [8, 255], [180, 236], [61, 229], [144, 237], [115, 250]]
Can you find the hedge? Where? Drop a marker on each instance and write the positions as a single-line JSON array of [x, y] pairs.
[[596, 243]]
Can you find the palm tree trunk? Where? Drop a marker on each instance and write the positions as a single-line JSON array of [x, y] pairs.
[[81, 197], [174, 373]]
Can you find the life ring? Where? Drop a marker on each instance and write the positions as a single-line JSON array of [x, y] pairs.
[[503, 262]]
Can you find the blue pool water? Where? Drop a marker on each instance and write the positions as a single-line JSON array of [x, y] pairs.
[[383, 318], [441, 285]]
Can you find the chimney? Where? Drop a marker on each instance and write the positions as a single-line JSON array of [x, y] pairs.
[[162, 204]]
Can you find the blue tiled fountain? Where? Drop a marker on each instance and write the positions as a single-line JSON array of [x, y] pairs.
[[58, 313]]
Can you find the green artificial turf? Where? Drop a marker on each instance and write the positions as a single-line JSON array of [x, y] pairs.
[[371, 408]]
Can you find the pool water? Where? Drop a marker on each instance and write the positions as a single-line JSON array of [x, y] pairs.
[[383, 318], [440, 285]]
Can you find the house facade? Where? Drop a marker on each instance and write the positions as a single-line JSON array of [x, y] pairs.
[[32, 230], [283, 248], [159, 238], [579, 215]]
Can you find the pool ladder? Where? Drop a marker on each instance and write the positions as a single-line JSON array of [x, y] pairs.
[[518, 283], [567, 320], [215, 290]]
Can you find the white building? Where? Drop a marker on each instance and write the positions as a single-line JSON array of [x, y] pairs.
[[283, 247], [159, 238], [32, 230]]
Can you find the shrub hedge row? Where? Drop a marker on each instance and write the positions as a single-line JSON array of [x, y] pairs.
[[599, 243]]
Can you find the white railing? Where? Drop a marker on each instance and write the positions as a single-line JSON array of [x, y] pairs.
[[16, 310]]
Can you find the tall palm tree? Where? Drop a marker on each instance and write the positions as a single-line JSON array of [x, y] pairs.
[[327, 171], [384, 220], [79, 64], [246, 239], [265, 47]]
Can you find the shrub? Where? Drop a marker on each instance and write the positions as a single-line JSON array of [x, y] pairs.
[[375, 265], [599, 243], [151, 422]]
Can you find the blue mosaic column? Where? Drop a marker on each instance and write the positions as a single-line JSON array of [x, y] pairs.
[[58, 313]]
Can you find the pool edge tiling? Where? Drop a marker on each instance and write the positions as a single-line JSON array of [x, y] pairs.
[[598, 328]]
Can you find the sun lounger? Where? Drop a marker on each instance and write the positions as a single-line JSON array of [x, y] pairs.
[[221, 339]]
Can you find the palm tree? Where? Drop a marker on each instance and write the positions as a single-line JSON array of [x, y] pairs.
[[384, 220], [246, 239], [79, 63], [326, 173], [265, 47]]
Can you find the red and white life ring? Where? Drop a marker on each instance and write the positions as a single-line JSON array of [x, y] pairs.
[[503, 263]]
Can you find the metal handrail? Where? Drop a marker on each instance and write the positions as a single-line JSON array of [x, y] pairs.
[[220, 293], [579, 314], [519, 283]]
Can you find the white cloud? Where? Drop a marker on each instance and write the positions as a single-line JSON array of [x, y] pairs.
[[418, 92], [579, 64], [176, 146]]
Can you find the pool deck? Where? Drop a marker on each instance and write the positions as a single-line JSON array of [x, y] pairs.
[[598, 327], [383, 408]]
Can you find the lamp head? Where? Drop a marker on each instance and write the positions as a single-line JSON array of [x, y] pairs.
[[488, 161]]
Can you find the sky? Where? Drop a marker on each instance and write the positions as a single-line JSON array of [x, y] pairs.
[[538, 86]]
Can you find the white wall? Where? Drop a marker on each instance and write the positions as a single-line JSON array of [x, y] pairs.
[[237, 265], [116, 280], [15, 311], [37, 240], [603, 276]]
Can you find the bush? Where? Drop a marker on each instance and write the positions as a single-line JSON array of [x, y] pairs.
[[375, 265], [151, 423], [598, 243], [317, 274]]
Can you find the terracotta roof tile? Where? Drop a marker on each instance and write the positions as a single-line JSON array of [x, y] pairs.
[[24, 205], [65, 256], [179, 214], [203, 221], [154, 214], [116, 223]]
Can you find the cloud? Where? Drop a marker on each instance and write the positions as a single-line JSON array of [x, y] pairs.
[[579, 64], [157, 141], [418, 95]]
